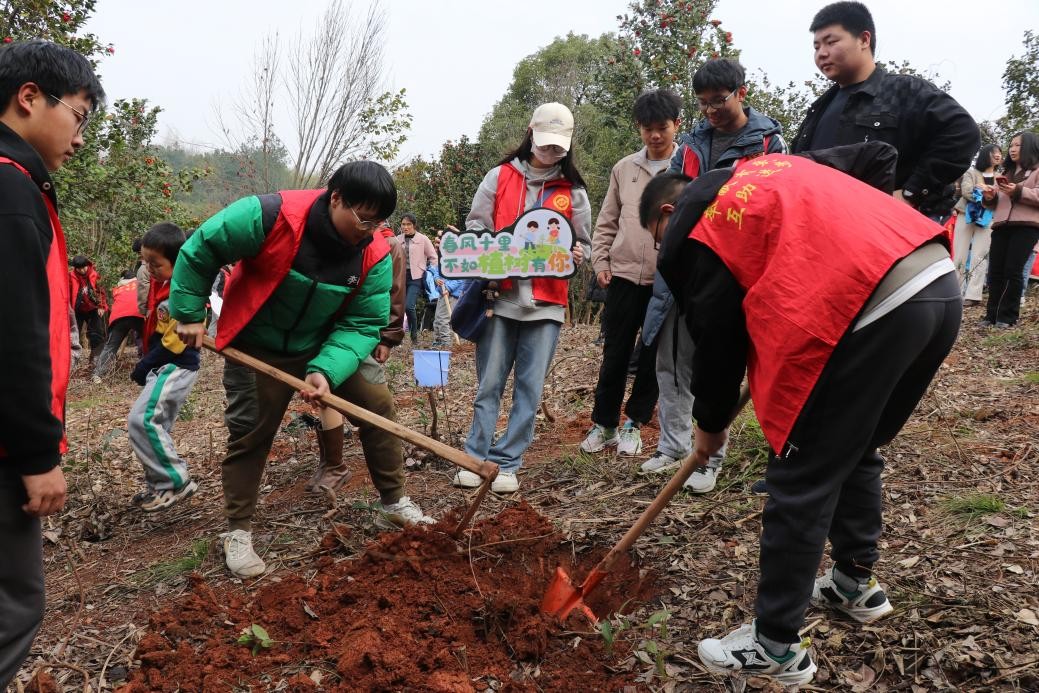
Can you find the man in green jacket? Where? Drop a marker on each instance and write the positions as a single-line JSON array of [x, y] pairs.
[[309, 296]]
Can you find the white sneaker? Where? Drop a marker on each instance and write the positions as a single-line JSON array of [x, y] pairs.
[[702, 480], [466, 479], [598, 438], [629, 440], [239, 555], [403, 513], [95, 379], [659, 463], [505, 482], [865, 605], [739, 652]]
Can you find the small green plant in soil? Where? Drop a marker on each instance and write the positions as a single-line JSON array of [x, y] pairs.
[[160, 572], [256, 638], [1031, 378], [974, 504], [1006, 339]]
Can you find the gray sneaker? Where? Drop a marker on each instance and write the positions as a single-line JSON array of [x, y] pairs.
[[702, 480], [403, 513], [629, 440], [239, 555], [659, 463], [598, 438]]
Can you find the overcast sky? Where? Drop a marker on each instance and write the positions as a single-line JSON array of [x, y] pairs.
[[455, 57]]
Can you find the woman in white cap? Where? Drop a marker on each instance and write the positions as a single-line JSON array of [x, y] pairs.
[[528, 313]]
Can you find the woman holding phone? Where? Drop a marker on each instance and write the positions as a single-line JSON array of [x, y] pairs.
[[1015, 228], [974, 229]]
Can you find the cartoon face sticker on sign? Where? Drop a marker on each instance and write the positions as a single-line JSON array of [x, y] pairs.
[[539, 244]]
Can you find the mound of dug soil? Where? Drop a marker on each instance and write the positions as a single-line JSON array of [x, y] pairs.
[[418, 611]]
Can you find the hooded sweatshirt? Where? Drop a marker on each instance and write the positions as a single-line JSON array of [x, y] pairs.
[[518, 302]]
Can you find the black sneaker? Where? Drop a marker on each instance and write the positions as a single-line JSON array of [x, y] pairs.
[[739, 652], [759, 488]]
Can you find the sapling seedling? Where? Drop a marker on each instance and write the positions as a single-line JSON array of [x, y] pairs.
[[255, 637]]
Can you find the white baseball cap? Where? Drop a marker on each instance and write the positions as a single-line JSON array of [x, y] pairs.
[[552, 123]]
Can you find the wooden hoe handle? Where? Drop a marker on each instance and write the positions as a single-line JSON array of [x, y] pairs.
[[486, 470]]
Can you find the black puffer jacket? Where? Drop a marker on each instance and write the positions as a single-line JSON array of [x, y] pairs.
[[935, 137]]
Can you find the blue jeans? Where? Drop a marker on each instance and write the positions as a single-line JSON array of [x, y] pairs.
[[415, 287], [507, 344]]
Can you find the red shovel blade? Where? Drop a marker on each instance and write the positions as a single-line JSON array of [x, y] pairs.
[[562, 597]]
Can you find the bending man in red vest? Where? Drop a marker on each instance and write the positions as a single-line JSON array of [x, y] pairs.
[[47, 93], [310, 296], [123, 320], [841, 303]]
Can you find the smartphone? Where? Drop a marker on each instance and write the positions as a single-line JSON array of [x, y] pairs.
[[1002, 180]]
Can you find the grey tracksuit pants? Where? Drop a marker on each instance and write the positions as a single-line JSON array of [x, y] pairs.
[[150, 422], [675, 401], [442, 335]]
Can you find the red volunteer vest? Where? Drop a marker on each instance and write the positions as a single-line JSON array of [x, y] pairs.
[[124, 302], [157, 293], [60, 337], [510, 202], [809, 245], [254, 279]]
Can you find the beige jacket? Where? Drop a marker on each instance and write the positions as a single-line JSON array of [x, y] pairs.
[[973, 178], [620, 244], [1022, 207]]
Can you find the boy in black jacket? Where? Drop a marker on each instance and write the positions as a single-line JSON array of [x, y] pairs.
[[47, 93]]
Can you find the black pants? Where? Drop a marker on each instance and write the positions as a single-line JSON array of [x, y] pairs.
[[625, 311], [828, 483], [1011, 246], [118, 331], [414, 288], [95, 329], [21, 577]]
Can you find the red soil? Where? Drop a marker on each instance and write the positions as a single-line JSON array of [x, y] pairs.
[[418, 610]]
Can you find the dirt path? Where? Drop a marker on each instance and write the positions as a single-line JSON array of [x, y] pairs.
[[960, 552]]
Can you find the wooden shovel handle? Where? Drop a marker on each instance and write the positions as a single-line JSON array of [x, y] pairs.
[[689, 465], [486, 470]]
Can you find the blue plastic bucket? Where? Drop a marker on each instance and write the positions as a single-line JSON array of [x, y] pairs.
[[431, 367]]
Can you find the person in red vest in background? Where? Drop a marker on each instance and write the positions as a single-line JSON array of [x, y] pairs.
[[124, 319], [47, 94], [528, 314], [87, 298], [840, 302]]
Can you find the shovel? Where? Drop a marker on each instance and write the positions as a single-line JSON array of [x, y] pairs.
[[563, 596], [485, 470]]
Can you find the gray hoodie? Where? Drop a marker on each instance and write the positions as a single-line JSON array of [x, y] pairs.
[[518, 302]]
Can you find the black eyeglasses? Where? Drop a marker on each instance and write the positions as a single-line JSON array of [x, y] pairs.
[[84, 118], [715, 105]]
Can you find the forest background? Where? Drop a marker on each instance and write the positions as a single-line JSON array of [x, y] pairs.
[[124, 180]]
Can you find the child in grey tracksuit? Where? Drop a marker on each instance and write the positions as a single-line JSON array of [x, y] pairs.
[[167, 371]]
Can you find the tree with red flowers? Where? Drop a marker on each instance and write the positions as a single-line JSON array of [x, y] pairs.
[[668, 40], [61, 22]]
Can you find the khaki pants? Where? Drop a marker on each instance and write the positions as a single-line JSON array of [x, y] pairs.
[[255, 406]]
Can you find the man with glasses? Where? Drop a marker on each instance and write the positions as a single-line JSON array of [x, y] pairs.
[[310, 295], [46, 92], [728, 134]]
